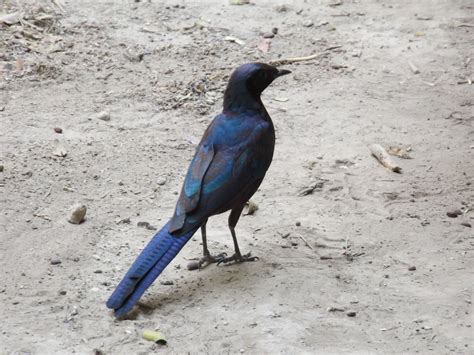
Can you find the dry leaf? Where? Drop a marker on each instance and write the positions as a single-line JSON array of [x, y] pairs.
[[399, 152], [264, 45]]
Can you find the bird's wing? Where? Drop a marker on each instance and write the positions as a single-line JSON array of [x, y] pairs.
[[217, 176], [189, 197]]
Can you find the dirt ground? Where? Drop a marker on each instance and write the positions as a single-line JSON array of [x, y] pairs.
[[351, 244]]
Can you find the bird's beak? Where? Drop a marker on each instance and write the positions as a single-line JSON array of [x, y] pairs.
[[282, 72]]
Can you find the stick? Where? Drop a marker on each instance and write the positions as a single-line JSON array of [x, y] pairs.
[[306, 242], [382, 156], [48, 193], [465, 25], [413, 67], [278, 62]]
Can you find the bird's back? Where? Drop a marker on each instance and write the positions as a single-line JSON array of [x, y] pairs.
[[242, 147]]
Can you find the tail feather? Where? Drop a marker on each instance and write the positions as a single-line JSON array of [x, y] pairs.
[[147, 267]]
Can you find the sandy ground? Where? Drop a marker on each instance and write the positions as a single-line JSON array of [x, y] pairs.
[[352, 244]]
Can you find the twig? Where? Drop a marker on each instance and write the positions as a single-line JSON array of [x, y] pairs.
[[44, 216], [382, 156], [278, 62], [48, 193], [306, 242], [413, 68], [59, 5], [465, 25]]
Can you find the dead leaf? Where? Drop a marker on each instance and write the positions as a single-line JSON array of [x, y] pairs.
[[308, 190], [250, 208], [264, 45], [399, 152]]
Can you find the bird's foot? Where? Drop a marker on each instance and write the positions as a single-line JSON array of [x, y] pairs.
[[238, 258], [206, 260], [211, 259]]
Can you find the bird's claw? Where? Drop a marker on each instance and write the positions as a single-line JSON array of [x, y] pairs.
[[210, 259], [238, 259]]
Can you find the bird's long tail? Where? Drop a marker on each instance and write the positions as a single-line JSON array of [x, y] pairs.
[[147, 267]]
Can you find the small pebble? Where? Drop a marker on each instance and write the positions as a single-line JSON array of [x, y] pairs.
[[1, 168], [268, 35], [298, 223], [98, 272], [193, 265], [412, 268], [58, 130], [77, 214], [167, 283], [275, 30], [104, 116], [454, 213], [351, 313], [308, 23], [465, 224], [55, 261], [281, 8], [62, 293]]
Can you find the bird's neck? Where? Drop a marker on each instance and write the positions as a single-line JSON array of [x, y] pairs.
[[238, 98]]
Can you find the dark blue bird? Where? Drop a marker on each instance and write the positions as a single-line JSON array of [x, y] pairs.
[[229, 165]]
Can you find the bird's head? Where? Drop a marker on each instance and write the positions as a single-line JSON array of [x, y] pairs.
[[248, 81]]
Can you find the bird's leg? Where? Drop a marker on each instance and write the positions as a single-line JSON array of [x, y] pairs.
[[237, 257], [207, 258]]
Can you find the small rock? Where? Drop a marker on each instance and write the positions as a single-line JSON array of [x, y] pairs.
[[281, 8], [465, 224], [297, 223], [161, 181], [454, 213], [62, 293], [77, 214], [268, 35], [351, 313], [98, 272], [146, 225], [58, 130], [308, 23], [275, 30], [2, 168], [239, 2], [167, 283], [104, 116], [124, 221], [193, 265], [412, 268], [55, 261]]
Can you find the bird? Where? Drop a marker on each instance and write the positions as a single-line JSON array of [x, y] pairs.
[[229, 165]]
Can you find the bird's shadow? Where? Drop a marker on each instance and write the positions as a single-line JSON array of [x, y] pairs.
[[195, 282]]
